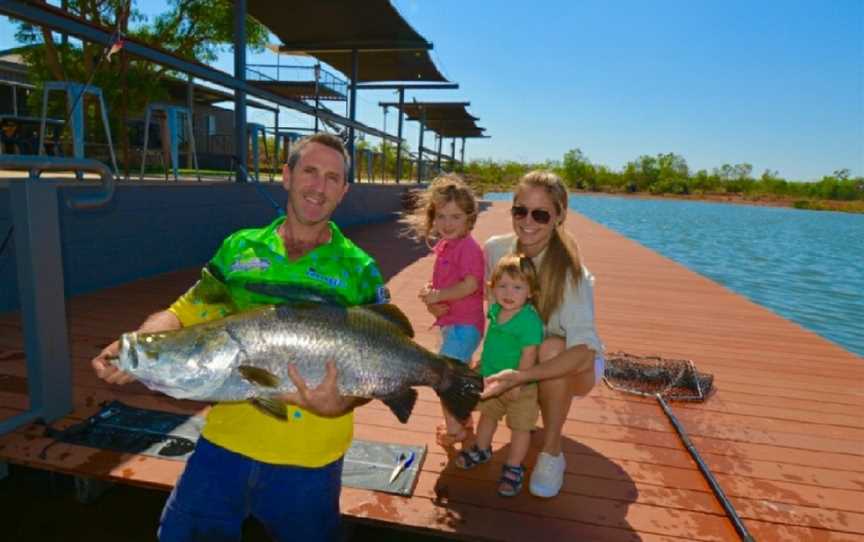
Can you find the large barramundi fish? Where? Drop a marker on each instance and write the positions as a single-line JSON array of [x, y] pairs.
[[245, 357]]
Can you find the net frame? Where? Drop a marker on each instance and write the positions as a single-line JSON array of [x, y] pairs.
[[650, 376]]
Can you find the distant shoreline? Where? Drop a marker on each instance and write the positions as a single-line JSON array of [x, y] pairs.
[[758, 200], [761, 200]]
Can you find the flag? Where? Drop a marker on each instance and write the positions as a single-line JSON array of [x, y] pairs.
[[116, 45]]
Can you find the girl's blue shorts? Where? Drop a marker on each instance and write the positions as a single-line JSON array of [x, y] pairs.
[[459, 341]]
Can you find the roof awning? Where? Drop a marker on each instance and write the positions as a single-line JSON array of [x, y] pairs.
[[446, 119], [389, 48], [467, 133], [385, 65]]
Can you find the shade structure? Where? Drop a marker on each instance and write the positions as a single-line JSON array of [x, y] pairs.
[[446, 119], [461, 133], [389, 48]]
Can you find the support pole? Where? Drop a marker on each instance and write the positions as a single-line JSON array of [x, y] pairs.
[[384, 148], [463, 153], [355, 62], [35, 209], [453, 154], [35, 213], [174, 135], [438, 161], [190, 106], [399, 135], [193, 149], [420, 149], [240, 151], [317, 93], [146, 147], [75, 101], [276, 157]]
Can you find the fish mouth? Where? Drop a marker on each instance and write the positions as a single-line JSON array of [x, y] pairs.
[[127, 344]]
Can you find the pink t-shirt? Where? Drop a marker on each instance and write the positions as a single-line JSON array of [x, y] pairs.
[[454, 260]]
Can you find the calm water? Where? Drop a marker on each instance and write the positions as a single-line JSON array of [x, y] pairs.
[[807, 266]]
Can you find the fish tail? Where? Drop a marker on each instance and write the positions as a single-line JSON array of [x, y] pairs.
[[459, 388]]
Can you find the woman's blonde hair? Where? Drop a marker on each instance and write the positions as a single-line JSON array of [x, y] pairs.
[[562, 252], [443, 189], [520, 267]]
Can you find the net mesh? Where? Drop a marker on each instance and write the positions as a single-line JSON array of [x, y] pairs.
[[672, 379]]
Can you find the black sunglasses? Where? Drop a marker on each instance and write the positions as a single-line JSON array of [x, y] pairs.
[[539, 215]]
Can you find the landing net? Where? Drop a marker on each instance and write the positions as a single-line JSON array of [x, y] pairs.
[[649, 376]]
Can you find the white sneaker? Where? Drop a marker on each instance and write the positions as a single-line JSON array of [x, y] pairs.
[[548, 475]]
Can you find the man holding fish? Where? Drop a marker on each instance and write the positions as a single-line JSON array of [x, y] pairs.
[[277, 462]]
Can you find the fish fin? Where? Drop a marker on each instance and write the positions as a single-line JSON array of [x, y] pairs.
[[393, 314], [459, 388], [402, 403], [291, 292], [271, 406], [258, 376]]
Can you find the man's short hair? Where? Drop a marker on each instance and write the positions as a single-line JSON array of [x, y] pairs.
[[322, 138]]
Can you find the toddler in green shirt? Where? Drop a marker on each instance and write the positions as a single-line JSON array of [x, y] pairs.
[[514, 334]]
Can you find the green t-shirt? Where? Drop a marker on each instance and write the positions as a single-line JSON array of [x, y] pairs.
[[503, 345], [251, 266]]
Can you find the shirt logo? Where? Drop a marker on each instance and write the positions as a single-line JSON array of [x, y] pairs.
[[252, 263], [332, 281], [382, 294]]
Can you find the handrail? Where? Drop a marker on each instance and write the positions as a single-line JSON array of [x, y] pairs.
[[325, 77], [35, 164]]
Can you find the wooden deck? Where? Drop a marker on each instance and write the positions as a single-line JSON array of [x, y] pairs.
[[784, 434]]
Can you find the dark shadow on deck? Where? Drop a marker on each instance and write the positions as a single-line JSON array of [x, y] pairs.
[[591, 507]]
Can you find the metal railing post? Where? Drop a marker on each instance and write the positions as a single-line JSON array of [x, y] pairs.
[[38, 253]]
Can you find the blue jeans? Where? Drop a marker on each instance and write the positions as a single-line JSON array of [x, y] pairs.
[[219, 489], [459, 341]]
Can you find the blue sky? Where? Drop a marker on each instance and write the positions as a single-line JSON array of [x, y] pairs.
[[777, 84]]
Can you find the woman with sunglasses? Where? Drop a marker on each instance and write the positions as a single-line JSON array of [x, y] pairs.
[[571, 355]]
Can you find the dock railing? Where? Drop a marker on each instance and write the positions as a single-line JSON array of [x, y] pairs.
[[39, 257]]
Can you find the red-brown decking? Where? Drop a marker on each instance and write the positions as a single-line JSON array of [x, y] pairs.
[[783, 434]]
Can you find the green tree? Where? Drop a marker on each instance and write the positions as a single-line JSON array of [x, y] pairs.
[[577, 170]]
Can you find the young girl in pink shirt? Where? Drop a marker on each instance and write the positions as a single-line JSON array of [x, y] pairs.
[[447, 211]]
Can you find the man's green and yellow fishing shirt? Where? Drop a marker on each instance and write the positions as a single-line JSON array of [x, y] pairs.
[[338, 269]]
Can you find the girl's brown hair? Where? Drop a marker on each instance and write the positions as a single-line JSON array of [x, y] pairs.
[[444, 189], [562, 252], [517, 266]]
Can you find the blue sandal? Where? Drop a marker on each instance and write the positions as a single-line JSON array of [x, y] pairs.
[[472, 457], [510, 483]]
